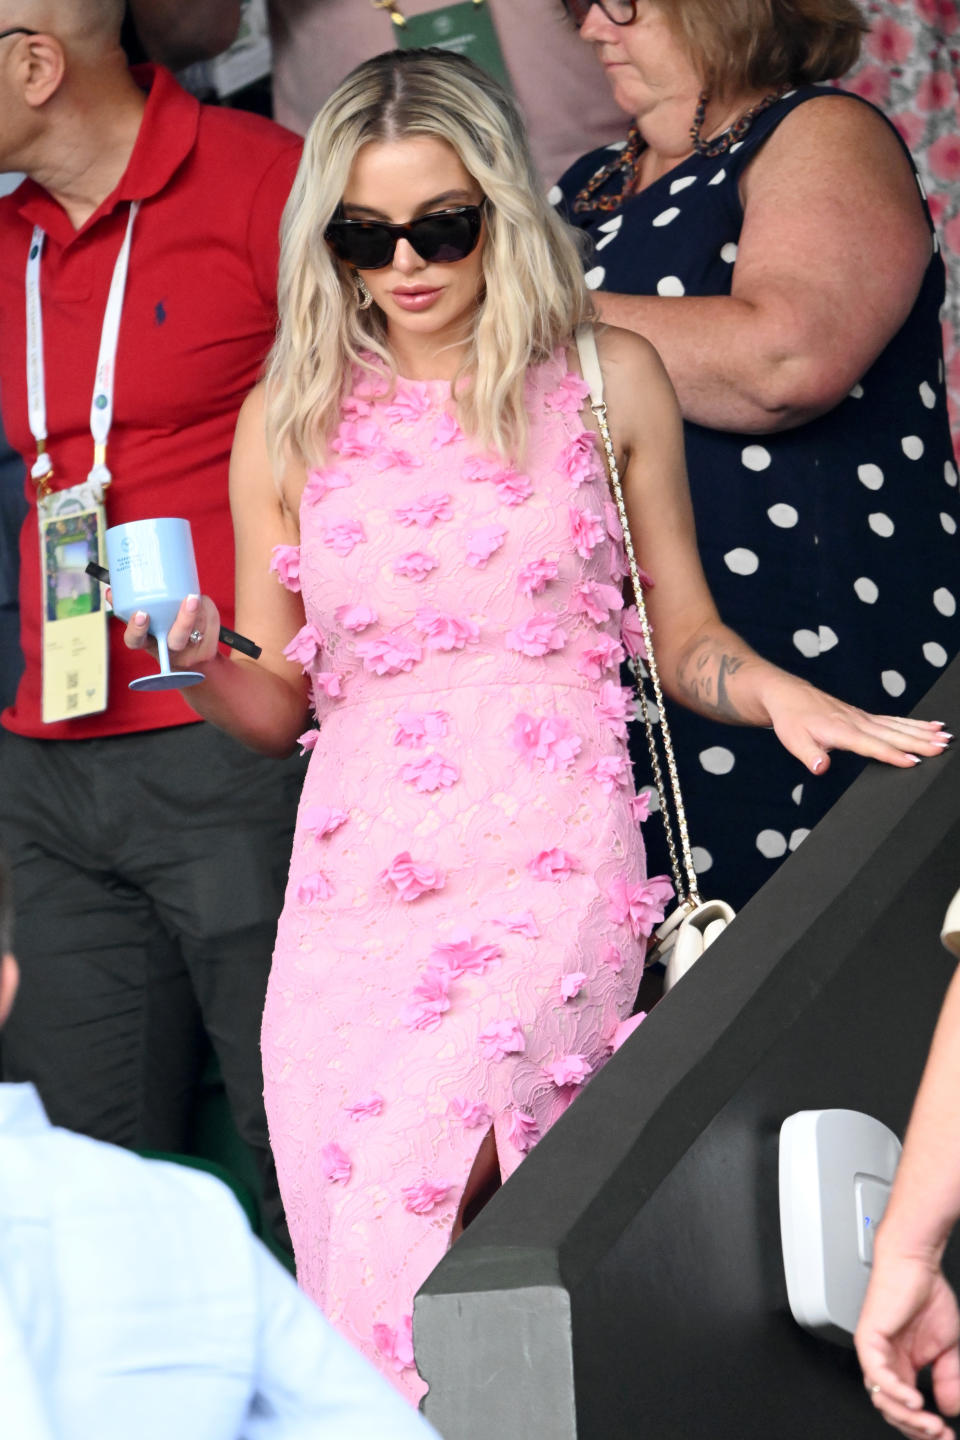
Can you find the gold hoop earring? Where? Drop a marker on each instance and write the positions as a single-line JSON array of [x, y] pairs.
[[366, 299]]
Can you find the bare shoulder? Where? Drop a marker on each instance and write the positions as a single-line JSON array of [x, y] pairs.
[[637, 389], [828, 137], [250, 420]]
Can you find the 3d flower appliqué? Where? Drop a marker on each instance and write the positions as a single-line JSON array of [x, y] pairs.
[[371, 1105], [614, 705], [553, 864], [472, 1113], [415, 728], [484, 542], [360, 438], [410, 403], [631, 633], [536, 576], [612, 956], [442, 631], [425, 1196], [396, 1346], [355, 617], [314, 887], [503, 1037], [414, 565], [596, 600], [572, 984], [429, 1002], [446, 432], [547, 738], [610, 772], [308, 740], [521, 923], [392, 654], [586, 531], [411, 878], [321, 482], [335, 1163], [430, 772], [425, 511], [330, 682], [604, 654], [343, 536], [322, 820], [305, 646], [512, 488], [524, 1131], [569, 395], [568, 1070], [642, 904], [285, 564], [538, 635], [464, 956], [578, 459]]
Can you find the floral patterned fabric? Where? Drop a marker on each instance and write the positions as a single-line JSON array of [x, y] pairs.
[[467, 905], [910, 68]]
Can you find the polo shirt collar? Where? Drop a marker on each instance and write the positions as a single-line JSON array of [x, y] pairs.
[[21, 1111], [168, 133]]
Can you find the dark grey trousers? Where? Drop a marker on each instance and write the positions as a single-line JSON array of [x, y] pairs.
[[149, 872]]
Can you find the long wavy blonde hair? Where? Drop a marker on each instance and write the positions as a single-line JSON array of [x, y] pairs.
[[533, 294]]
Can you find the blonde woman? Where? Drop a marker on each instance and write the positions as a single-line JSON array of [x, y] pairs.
[[427, 553]]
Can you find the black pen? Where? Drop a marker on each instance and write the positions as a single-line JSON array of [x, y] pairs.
[[227, 637]]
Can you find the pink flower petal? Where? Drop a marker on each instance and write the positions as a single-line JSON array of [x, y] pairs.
[[586, 531], [308, 740], [396, 1346], [538, 635], [552, 865], [336, 1163], [415, 728], [483, 543], [415, 565], [445, 632], [536, 576], [642, 904], [410, 878], [420, 1199], [514, 489], [320, 820], [572, 984], [285, 563], [640, 806], [305, 646], [412, 400], [329, 681], [604, 654], [342, 536], [472, 1113], [524, 1131], [360, 438], [547, 738], [578, 459], [463, 956], [321, 482], [355, 617], [569, 395], [631, 633], [503, 1037], [626, 1028], [522, 923], [370, 1105], [431, 772], [610, 955], [615, 706], [392, 654], [429, 1001], [314, 887], [595, 600], [610, 772], [446, 432], [425, 511], [569, 1070]]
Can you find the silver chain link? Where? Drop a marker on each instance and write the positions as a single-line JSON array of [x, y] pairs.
[[688, 896]]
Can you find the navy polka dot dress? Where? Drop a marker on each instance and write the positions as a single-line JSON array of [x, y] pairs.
[[832, 548]]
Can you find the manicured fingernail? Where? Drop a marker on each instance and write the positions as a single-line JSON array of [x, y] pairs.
[[914, 758], [193, 603], [140, 617], [818, 765]]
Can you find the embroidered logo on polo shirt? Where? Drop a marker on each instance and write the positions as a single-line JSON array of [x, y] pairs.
[[159, 312]]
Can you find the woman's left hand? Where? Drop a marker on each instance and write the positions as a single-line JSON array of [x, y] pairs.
[[810, 724]]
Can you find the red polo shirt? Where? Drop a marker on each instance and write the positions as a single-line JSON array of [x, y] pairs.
[[198, 318]]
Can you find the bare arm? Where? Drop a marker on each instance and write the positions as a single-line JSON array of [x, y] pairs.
[[832, 253], [263, 703], [703, 663], [175, 33]]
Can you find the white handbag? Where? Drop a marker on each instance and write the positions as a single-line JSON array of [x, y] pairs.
[[695, 923]]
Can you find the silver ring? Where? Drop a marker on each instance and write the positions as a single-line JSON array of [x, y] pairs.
[[195, 637]]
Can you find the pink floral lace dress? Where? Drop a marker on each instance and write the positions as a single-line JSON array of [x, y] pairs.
[[467, 904]]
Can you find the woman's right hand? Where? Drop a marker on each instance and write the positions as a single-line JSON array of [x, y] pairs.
[[197, 615]]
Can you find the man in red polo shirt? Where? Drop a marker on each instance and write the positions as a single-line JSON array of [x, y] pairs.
[[150, 851]]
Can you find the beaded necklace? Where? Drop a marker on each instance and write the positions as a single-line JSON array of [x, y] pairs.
[[627, 162]]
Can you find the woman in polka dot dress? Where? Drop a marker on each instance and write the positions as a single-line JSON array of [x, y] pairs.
[[781, 258], [468, 904]]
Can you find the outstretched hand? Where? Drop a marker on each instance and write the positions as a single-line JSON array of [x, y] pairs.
[[810, 724], [197, 616], [910, 1320]]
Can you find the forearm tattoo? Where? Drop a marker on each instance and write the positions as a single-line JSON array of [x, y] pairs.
[[703, 672]]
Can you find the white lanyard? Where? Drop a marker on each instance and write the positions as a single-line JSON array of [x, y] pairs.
[[101, 407]]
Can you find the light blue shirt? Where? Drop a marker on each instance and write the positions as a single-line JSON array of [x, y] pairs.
[[136, 1305]]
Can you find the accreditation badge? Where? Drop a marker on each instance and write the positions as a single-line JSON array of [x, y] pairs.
[[466, 28], [72, 524]]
